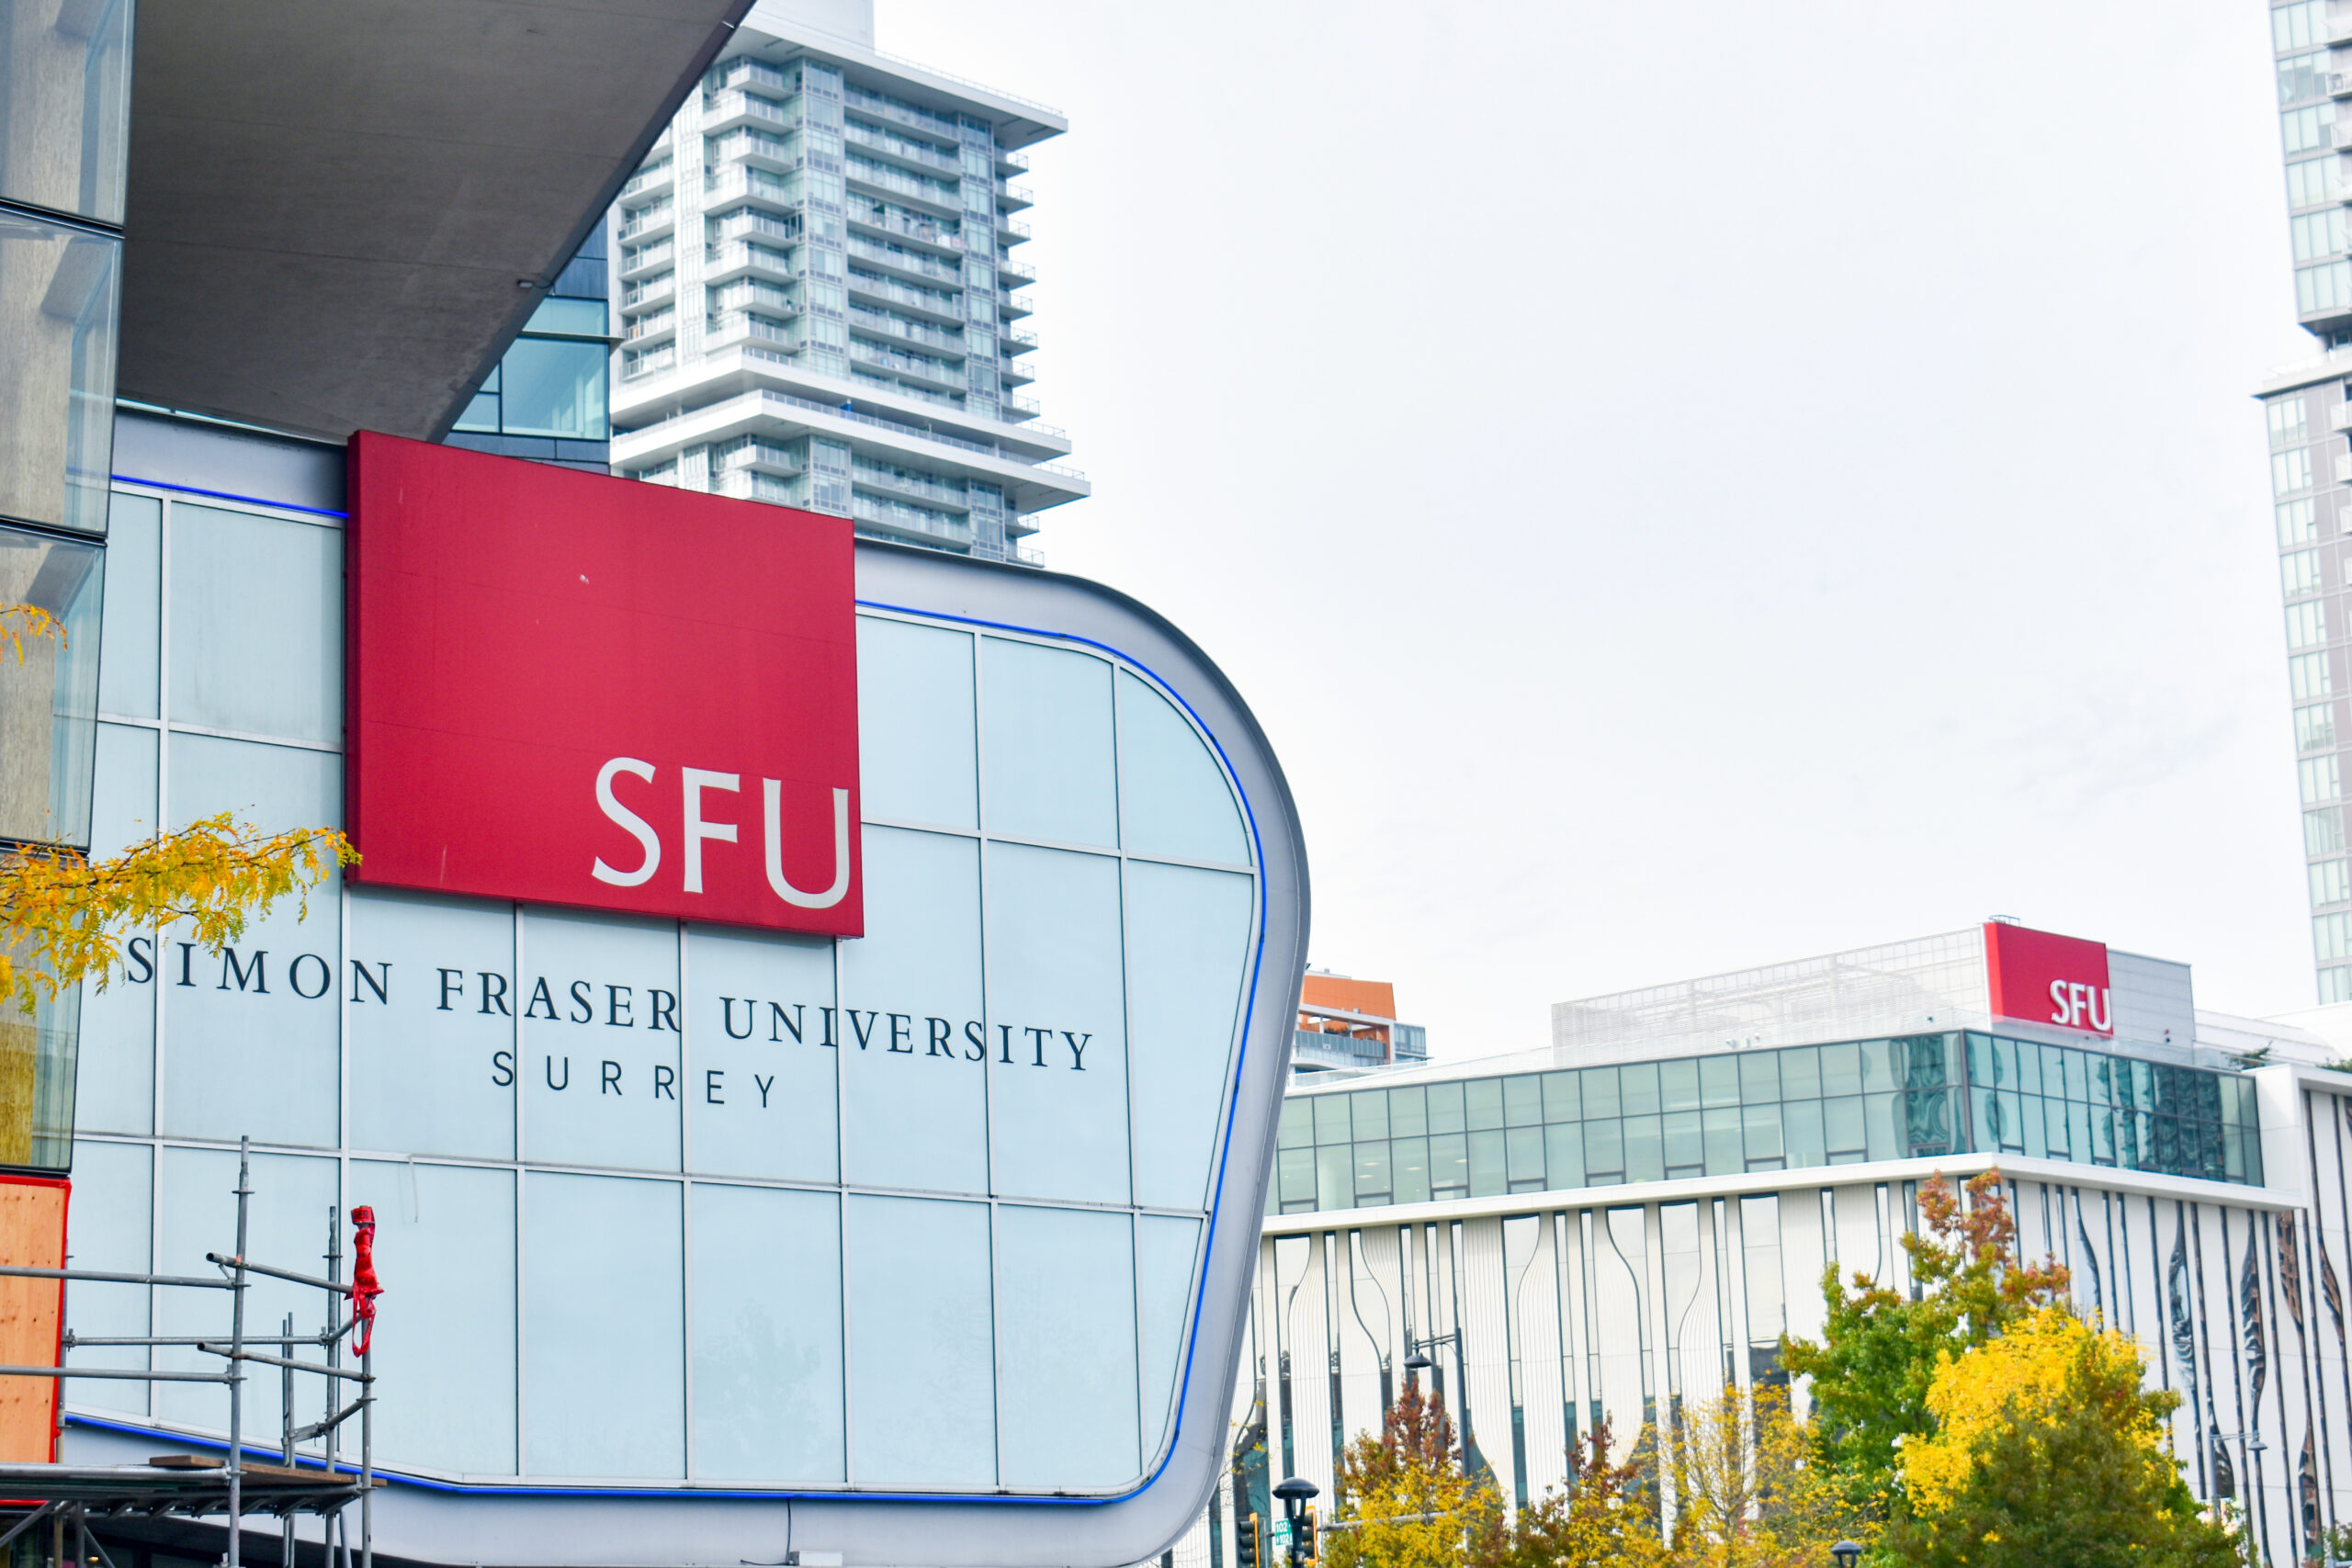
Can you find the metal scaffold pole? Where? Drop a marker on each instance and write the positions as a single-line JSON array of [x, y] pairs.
[[236, 1357]]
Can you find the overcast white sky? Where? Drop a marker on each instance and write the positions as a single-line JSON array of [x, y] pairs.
[[1688, 487]]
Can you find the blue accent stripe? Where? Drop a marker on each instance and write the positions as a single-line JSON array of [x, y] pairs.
[[230, 495], [1224, 1152]]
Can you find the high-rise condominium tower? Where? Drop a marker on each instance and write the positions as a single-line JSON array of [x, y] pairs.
[[2310, 460], [819, 290]]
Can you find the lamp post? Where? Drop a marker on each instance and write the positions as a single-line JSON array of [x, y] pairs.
[[1294, 1493], [1846, 1552]]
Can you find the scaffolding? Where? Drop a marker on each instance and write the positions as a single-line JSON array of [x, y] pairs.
[[71, 1497]]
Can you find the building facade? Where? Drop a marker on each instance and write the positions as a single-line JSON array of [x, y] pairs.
[[819, 293], [2307, 416], [1628, 1221], [1350, 1026], [550, 397]]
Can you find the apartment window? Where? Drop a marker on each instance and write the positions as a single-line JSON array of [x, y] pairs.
[[2289, 423], [2313, 181], [2307, 676], [2324, 832], [2302, 76], [2291, 471], [2307, 623], [2307, 131], [2334, 985], [2327, 287], [2332, 936], [2302, 25], [2330, 883], [2315, 727], [2319, 779], [2318, 234], [2298, 573], [2297, 522]]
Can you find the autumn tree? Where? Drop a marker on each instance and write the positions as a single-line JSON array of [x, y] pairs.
[[1749, 1491], [1879, 1353], [1403, 1500], [63, 915], [1600, 1520], [2046, 1448]]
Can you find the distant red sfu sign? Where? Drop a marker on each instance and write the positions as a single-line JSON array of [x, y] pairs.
[[2041, 977], [567, 689]]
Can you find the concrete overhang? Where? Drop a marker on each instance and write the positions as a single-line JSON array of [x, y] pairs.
[[340, 214]]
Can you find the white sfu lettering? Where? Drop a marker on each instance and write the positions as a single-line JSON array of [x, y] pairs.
[[698, 831], [2073, 1002]]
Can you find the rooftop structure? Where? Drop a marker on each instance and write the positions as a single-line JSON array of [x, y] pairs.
[[820, 292], [1349, 1026]]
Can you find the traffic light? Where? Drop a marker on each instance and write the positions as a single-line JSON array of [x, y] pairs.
[[1244, 1543], [1306, 1541]]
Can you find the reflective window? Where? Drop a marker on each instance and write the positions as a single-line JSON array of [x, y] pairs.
[[1733, 1112], [551, 386], [58, 311], [48, 696]]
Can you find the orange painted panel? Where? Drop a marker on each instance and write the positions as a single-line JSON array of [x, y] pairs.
[[32, 1234], [1377, 997]]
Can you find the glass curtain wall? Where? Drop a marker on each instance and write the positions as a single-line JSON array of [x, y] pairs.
[[1756, 1110], [64, 121]]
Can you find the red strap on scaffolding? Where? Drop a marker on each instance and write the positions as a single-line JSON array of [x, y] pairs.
[[363, 1288]]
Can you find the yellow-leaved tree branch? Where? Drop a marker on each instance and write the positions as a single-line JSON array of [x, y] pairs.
[[60, 912]]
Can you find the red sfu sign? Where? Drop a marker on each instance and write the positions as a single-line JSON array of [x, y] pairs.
[[568, 689], [2041, 977]]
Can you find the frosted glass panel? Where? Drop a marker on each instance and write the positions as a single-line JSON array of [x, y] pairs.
[[917, 962], [1188, 954], [603, 1346], [445, 1240], [920, 1342], [251, 1031], [129, 669], [1045, 723], [109, 1230], [1165, 1266], [116, 1081], [1059, 1101], [760, 1097], [256, 624], [767, 1334], [430, 992], [1066, 1338], [1173, 799], [916, 760], [599, 1012], [288, 1227]]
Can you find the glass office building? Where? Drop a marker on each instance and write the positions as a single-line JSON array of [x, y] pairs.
[[548, 397], [821, 292], [1618, 1225], [2307, 417]]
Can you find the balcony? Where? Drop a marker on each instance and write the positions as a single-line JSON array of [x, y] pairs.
[[651, 291], [742, 258], [1008, 163], [919, 521], [871, 215], [2340, 136], [911, 331], [2340, 416], [740, 326], [752, 455], [866, 477], [918, 152], [1011, 231], [729, 110], [1010, 304], [1018, 273], [648, 361], [2339, 30], [915, 264], [638, 261], [2343, 468], [1012, 373], [650, 223], [661, 176], [1013, 197], [1016, 340], [752, 186], [880, 107], [917, 365], [948, 199], [744, 68], [744, 224], [946, 307], [1017, 410], [649, 328]]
